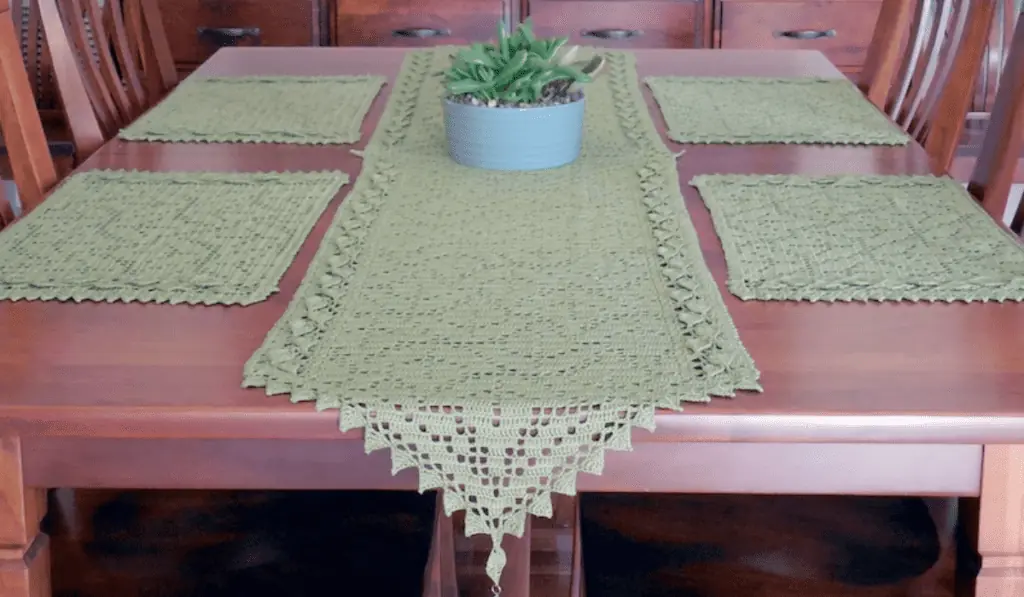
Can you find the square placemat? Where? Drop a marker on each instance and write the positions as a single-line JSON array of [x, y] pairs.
[[859, 238], [294, 110], [164, 237], [742, 110]]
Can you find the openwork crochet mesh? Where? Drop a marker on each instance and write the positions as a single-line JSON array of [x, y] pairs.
[[500, 331], [294, 110], [738, 110], [858, 238], [165, 237]]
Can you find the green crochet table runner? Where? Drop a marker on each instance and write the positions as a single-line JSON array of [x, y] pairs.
[[196, 237], [859, 238], [294, 110], [499, 331], [770, 110]]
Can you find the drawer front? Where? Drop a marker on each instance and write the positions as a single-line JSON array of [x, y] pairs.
[[622, 23], [415, 23], [198, 28], [842, 30]]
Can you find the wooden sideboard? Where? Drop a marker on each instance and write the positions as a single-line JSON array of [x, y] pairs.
[[840, 28]]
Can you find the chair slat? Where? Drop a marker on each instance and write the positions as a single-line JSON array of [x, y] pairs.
[[1003, 144], [34, 170], [923, 65]]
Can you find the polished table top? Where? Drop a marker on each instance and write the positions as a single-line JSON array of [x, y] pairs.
[[889, 372]]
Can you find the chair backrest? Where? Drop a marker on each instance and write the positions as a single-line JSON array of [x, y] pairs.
[[1003, 145], [148, 39], [121, 56], [33, 168], [116, 100], [57, 59], [922, 67], [37, 56]]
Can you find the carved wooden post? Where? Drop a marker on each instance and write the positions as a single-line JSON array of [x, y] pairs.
[[440, 579], [24, 550], [1001, 528]]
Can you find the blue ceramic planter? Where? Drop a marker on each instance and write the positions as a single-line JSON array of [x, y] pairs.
[[514, 138]]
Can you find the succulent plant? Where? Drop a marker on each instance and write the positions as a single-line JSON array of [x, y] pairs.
[[518, 69]]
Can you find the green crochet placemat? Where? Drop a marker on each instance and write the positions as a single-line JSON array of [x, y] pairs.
[[860, 238], [770, 110], [163, 237], [499, 331], [294, 110]]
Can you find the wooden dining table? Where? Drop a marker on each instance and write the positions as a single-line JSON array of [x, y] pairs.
[[859, 398]]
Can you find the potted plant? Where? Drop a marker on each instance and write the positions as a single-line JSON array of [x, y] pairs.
[[516, 104]]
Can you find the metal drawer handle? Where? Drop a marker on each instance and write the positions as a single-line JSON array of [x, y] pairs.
[[228, 36], [806, 34], [421, 32], [612, 33]]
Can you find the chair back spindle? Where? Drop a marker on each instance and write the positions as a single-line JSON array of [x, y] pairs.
[[922, 67], [119, 51], [31, 163], [992, 179]]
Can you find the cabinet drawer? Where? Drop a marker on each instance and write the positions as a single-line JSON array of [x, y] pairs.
[[842, 30], [198, 28], [415, 23], [622, 23]]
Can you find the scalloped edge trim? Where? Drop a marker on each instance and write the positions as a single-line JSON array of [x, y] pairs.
[[128, 292], [895, 137], [139, 131], [671, 221], [940, 292], [276, 368], [275, 365]]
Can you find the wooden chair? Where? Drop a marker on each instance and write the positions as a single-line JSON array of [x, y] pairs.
[[991, 181], [922, 68], [613, 528], [110, 64], [148, 40], [31, 163], [58, 86]]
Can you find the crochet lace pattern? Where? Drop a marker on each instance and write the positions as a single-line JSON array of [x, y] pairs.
[[499, 331], [164, 237], [860, 238], [741, 110], [294, 110]]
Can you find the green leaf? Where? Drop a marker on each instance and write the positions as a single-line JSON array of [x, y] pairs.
[[477, 54], [556, 44], [526, 30], [572, 73], [460, 64], [539, 47], [455, 73], [509, 95], [503, 40], [511, 68], [466, 86], [537, 63], [521, 83]]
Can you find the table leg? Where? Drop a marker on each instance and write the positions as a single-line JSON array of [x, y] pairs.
[[576, 586], [1001, 525], [441, 579], [515, 578], [24, 550]]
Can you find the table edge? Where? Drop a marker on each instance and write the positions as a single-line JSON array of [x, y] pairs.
[[307, 424]]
